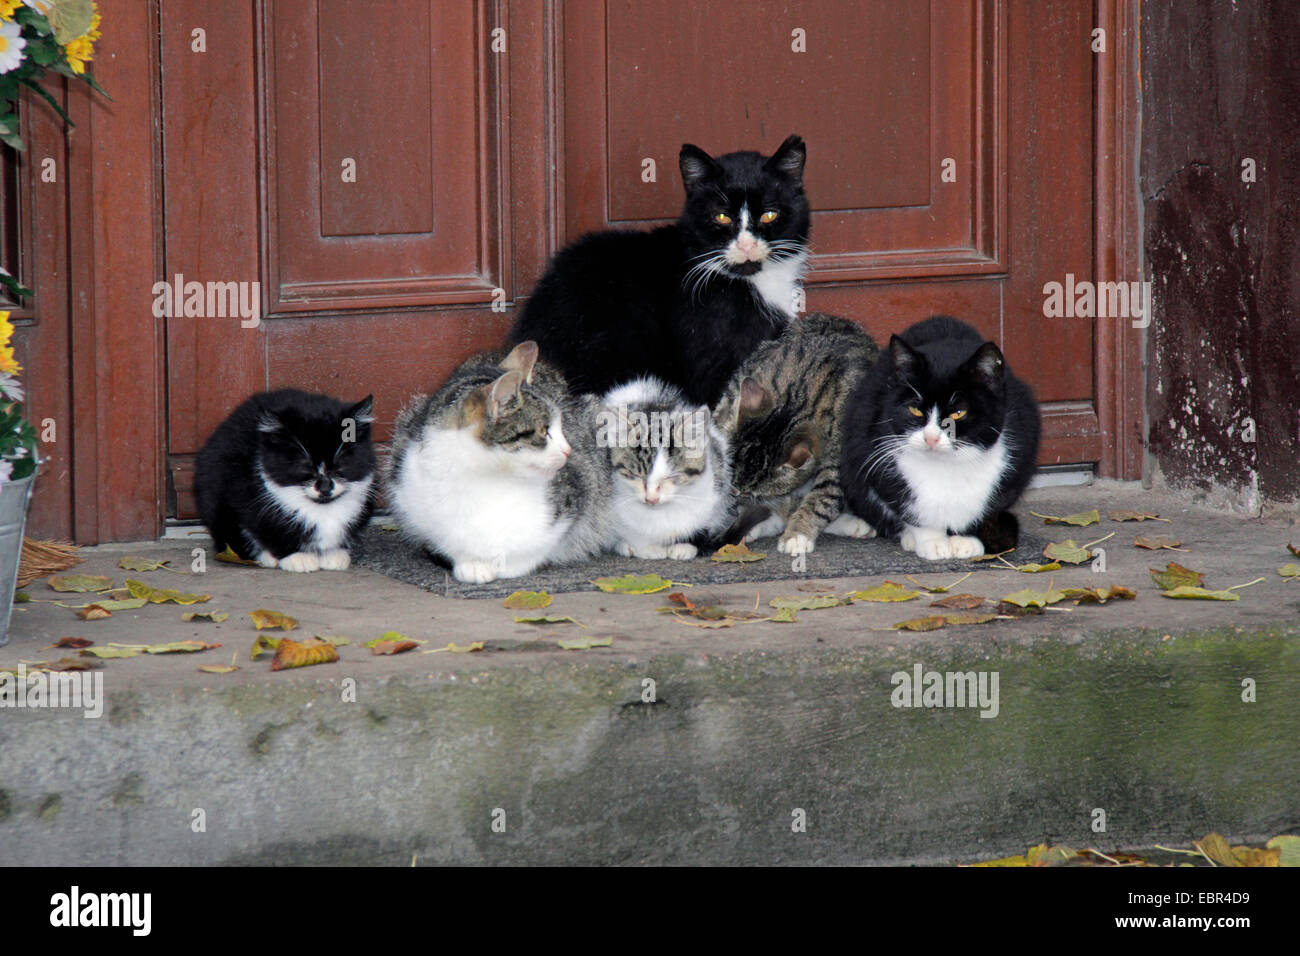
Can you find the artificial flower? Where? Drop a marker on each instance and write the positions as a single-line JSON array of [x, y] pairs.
[[7, 8], [82, 49]]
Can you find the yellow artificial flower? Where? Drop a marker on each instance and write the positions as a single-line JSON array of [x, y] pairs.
[[7, 8], [8, 363], [82, 49]]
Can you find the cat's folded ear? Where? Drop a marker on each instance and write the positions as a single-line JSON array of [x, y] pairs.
[[504, 394], [907, 361], [696, 165], [521, 359], [789, 157], [363, 412], [988, 366]]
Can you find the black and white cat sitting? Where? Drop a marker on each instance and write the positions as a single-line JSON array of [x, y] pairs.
[[688, 302], [288, 479], [940, 440]]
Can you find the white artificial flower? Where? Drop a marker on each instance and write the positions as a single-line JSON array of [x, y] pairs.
[[11, 46], [10, 387]]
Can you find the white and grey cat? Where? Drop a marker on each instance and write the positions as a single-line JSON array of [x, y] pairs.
[[499, 472], [670, 471]]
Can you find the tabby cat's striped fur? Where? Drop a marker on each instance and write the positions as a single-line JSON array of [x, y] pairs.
[[783, 415]]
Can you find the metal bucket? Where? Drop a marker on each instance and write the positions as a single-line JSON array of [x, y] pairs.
[[14, 496]]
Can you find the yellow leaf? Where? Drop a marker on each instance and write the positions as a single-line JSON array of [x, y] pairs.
[[263, 618], [528, 601], [737, 553], [890, 592]]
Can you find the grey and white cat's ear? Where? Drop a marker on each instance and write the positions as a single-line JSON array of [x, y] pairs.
[[696, 165], [988, 364], [504, 394], [907, 360], [521, 359], [363, 412], [754, 398], [789, 157]]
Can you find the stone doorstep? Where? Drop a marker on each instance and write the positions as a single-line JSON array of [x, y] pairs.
[[1132, 708]]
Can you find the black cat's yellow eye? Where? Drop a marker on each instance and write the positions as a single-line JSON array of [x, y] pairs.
[[769, 216], [958, 416], [722, 219], [916, 411]]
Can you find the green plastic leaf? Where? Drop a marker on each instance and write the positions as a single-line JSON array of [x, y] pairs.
[[632, 584]]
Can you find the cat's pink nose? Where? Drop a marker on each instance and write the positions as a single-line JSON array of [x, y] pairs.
[[931, 439], [652, 497]]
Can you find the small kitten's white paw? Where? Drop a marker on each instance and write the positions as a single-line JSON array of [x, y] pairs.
[[682, 551], [267, 560], [796, 544], [965, 546], [624, 549], [933, 549], [474, 572], [336, 559], [647, 552], [851, 526], [771, 525], [301, 561], [908, 541]]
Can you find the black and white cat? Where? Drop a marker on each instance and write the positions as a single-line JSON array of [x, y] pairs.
[[288, 479], [940, 440], [688, 302]]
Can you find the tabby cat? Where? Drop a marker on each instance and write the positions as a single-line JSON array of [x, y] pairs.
[[671, 473], [499, 472], [783, 416]]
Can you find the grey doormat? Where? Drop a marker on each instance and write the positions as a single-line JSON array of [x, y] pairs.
[[387, 552]]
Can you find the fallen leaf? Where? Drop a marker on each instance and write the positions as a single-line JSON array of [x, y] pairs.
[[680, 599], [737, 553], [970, 617], [389, 637], [1067, 551], [80, 583], [1044, 855], [263, 618], [991, 557], [1288, 848], [154, 595], [1194, 592], [890, 591], [542, 619], [180, 647], [1080, 520], [21, 597], [131, 563], [931, 623], [464, 648], [1290, 571], [1037, 568], [1005, 861], [632, 584], [1254, 856], [128, 604], [805, 604], [218, 668], [587, 643], [1217, 849], [708, 625], [262, 644], [72, 664], [528, 601], [215, 617], [1099, 595], [1155, 544], [228, 556], [1028, 598], [95, 612], [959, 602], [72, 642], [938, 588], [393, 647], [291, 654], [1175, 575], [1293, 549], [784, 615], [1134, 516], [111, 652]]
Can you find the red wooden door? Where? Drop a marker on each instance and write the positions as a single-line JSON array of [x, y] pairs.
[[395, 182]]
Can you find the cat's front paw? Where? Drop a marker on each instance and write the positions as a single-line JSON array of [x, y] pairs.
[[647, 552], [851, 526], [771, 525], [682, 551], [796, 543], [965, 546], [267, 560], [474, 572], [336, 559], [301, 561]]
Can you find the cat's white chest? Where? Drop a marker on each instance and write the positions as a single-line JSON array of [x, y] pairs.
[[950, 491], [777, 284]]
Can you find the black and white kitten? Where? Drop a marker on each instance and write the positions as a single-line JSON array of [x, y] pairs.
[[288, 479], [688, 302], [940, 440]]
